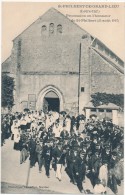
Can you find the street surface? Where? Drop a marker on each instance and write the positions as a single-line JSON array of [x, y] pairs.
[[14, 173]]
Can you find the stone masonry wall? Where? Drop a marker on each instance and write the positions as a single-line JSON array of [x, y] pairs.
[[105, 78]]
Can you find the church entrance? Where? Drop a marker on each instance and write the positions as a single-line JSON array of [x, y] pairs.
[[51, 102]]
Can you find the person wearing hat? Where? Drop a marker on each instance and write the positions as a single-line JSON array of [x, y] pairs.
[[47, 155], [93, 145], [88, 163], [113, 160], [80, 170], [64, 133], [95, 165], [44, 135], [23, 150], [106, 154], [119, 151], [115, 138], [39, 152], [32, 150], [59, 157], [112, 183], [73, 163]]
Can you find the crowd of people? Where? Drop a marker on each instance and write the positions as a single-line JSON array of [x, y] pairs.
[[90, 148]]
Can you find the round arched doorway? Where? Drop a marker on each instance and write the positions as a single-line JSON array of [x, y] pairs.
[[50, 98]]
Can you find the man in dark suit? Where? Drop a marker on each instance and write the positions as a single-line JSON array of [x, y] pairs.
[[39, 151], [80, 170], [64, 134], [32, 150], [47, 155], [112, 183], [59, 157], [72, 160], [95, 165]]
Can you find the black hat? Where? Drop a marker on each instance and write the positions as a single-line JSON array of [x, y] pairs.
[[114, 153], [74, 142], [97, 151], [80, 139], [67, 146], [75, 149], [107, 148], [59, 144], [48, 141], [82, 152], [104, 161], [51, 139]]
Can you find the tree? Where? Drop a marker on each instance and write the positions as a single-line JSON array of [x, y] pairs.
[[104, 98], [7, 91]]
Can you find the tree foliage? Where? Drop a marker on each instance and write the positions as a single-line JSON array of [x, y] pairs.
[[104, 98], [7, 91]]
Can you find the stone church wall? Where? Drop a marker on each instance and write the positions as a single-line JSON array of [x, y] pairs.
[[33, 84], [105, 78]]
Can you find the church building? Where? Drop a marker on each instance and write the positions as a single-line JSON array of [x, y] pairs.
[[57, 66]]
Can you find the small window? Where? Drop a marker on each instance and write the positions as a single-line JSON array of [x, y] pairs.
[[120, 62], [82, 89], [44, 28], [116, 59], [51, 28], [101, 110], [112, 55], [93, 109], [107, 52], [100, 47], [59, 28], [108, 110]]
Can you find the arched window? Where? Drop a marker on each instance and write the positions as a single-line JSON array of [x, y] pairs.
[[51, 28], [59, 28], [44, 28]]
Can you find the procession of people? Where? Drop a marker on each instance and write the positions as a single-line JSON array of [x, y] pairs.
[[89, 148]]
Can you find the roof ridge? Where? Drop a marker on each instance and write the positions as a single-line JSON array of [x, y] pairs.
[[52, 8], [6, 59], [116, 66]]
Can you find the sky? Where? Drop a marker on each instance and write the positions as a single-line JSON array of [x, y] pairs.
[[17, 16]]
